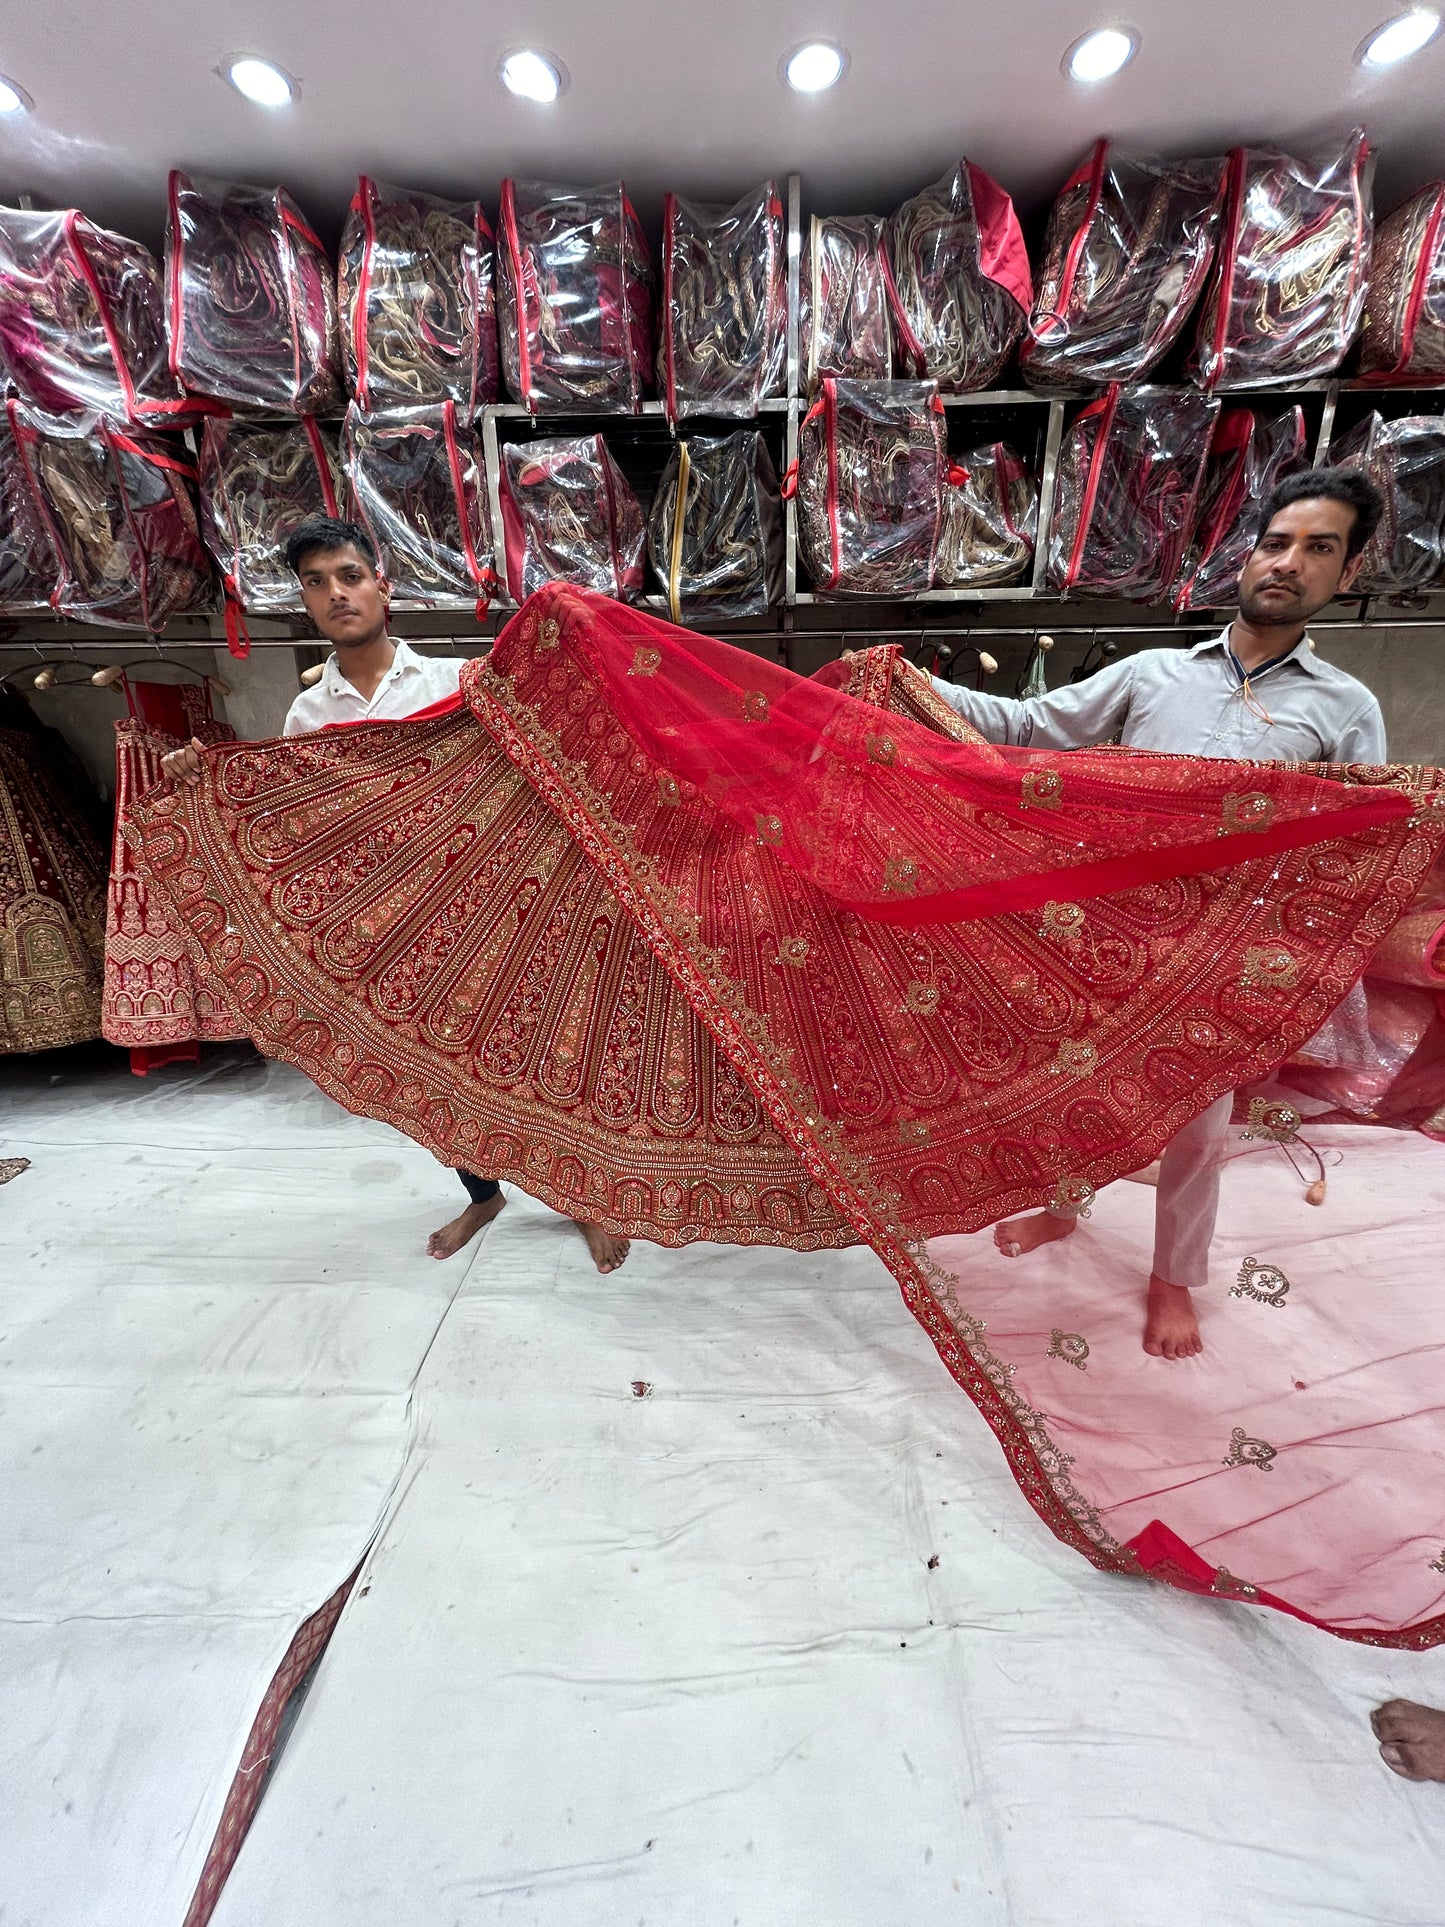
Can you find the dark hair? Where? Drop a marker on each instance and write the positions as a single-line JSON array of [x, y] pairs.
[[326, 532], [1345, 485]]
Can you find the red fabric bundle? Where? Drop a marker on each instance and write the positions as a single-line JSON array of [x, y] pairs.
[[1248, 455], [990, 519], [844, 318], [871, 460], [958, 280], [82, 321], [1292, 266], [118, 511], [1405, 459], [568, 515], [258, 480], [1403, 334], [417, 482], [250, 299], [724, 304], [418, 306], [1129, 477], [1129, 244], [575, 294]]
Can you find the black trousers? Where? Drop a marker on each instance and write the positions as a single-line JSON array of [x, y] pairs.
[[479, 1190]]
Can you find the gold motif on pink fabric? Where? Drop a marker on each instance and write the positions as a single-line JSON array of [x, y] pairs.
[[769, 829], [881, 749], [755, 706], [1250, 810], [645, 662], [1243, 1450], [1265, 1284], [549, 634], [1043, 789], [1268, 966], [1071, 1347], [921, 998], [1076, 1057], [1272, 1119], [900, 877], [1072, 1196]]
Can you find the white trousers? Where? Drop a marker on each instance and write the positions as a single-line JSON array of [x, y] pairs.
[[1187, 1202]]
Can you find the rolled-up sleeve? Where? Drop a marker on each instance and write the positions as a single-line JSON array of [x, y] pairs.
[[1076, 716]]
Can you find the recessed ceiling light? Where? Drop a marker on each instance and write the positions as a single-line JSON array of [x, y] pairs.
[[1101, 54], [261, 81], [532, 76], [814, 67], [13, 99], [1400, 37]]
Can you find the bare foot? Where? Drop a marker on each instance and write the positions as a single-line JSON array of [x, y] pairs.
[[1412, 1739], [1015, 1236], [607, 1251], [1171, 1329], [447, 1242]]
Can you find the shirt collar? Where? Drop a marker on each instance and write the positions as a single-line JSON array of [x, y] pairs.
[[1302, 653], [405, 662]]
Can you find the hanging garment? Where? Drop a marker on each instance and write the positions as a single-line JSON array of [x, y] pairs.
[[698, 948], [958, 280], [1405, 459], [724, 340], [82, 322], [1288, 289], [1129, 245], [417, 483], [250, 299], [871, 460], [990, 519], [119, 515], [715, 534], [844, 325], [258, 480], [418, 306], [568, 515], [1249, 454], [1402, 337], [154, 998], [52, 889], [1129, 476], [575, 296]]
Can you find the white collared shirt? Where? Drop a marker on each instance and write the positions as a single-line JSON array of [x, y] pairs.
[[1190, 703], [413, 682]]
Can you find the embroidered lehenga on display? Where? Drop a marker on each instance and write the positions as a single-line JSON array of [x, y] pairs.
[[700, 949]]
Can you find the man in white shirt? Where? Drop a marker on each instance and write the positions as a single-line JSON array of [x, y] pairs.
[[1256, 691], [373, 677]]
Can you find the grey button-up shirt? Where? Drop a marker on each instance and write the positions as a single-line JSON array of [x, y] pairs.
[[1189, 702]]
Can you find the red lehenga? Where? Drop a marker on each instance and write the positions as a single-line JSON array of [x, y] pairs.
[[694, 947]]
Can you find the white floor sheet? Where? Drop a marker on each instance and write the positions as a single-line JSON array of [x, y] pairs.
[[214, 1302], [706, 1601]]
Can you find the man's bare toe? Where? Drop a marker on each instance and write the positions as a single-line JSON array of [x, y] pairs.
[[1412, 1739], [608, 1250], [1171, 1328], [447, 1242], [1016, 1236]]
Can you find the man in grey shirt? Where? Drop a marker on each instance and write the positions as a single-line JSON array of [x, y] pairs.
[[1258, 692]]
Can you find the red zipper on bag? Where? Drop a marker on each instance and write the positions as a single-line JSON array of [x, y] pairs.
[[1418, 286], [1080, 235], [1107, 407], [829, 399], [359, 329], [669, 241], [508, 212], [323, 467], [485, 579], [177, 313], [912, 349], [1234, 203], [611, 515]]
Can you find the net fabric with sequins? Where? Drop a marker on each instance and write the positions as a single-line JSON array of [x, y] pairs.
[[575, 294], [1405, 459], [416, 480], [958, 280], [1130, 470], [871, 462], [569, 515], [1251, 451], [82, 321], [696, 948], [715, 531], [250, 299], [724, 334], [1288, 289], [119, 516], [1128, 246], [417, 300]]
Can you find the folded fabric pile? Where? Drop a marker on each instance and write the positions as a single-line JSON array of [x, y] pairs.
[[417, 483], [844, 311], [258, 480], [871, 464], [990, 519], [568, 515], [1405, 459], [715, 534], [724, 304]]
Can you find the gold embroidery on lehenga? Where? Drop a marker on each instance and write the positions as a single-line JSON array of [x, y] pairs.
[[1072, 1196], [1076, 1057], [1270, 1118], [1243, 1450], [1043, 789], [668, 793], [1250, 810], [920, 998], [794, 950], [755, 706], [1266, 1284], [645, 661], [900, 877], [1061, 919], [1268, 967], [913, 1130], [881, 749], [770, 829], [1228, 1587], [1071, 1347], [12, 1167], [549, 634]]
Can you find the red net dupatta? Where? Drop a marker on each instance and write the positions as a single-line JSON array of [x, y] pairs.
[[697, 948]]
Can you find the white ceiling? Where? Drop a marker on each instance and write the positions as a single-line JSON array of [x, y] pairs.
[[670, 93]]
